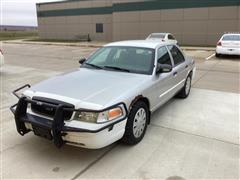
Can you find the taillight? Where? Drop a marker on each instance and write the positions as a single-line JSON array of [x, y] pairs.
[[219, 43]]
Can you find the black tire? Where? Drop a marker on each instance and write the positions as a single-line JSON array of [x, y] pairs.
[[129, 137], [183, 93], [217, 55]]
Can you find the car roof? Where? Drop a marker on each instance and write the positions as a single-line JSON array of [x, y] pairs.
[[231, 34], [140, 43], [160, 33]]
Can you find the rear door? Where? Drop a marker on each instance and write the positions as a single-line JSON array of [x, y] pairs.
[[180, 68]]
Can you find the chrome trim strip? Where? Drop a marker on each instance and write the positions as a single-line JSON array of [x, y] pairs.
[[169, 90]]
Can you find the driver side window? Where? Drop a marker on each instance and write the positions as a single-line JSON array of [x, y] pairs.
[[163, 56]]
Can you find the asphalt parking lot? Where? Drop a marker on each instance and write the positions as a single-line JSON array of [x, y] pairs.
[[196, 138]]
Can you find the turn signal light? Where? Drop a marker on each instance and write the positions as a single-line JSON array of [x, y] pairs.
[[115, 113]]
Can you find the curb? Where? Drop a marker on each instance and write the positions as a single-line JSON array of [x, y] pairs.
[[96, 45], [54, 44], [199, 48]]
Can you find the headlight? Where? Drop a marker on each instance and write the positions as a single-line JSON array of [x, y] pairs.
[[102, 117], [86, 116]]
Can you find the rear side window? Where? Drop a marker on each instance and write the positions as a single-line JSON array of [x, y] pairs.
[[171, 37], [231, 38], [163, 56], [177, 55]]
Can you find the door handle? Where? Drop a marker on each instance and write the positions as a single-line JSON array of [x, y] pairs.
[[186, 66], [175, 74]]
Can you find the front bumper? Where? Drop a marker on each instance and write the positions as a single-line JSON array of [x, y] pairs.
[[227, 51], [59, 132], [79, 137]]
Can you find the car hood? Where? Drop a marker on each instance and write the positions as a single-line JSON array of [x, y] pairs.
[[99, 87]]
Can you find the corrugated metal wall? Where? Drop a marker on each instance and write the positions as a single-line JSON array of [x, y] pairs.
[[135, 20]]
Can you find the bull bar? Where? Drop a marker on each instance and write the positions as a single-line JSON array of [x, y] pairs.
[[57, 125]]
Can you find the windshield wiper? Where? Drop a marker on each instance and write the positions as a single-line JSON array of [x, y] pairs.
[[93, 65], [117, 68]]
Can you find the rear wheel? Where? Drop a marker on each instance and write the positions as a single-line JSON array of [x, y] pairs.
[[136, 123], [185, 91]]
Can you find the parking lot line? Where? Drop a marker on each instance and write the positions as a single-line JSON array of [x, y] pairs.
[[93, 163], [209, 57]]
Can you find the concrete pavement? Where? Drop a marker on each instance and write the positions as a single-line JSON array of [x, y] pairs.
[[196, 138]]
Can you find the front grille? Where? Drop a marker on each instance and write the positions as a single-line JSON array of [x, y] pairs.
[[50, 111]]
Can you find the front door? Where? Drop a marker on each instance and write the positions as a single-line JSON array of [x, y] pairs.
[[164, 81]]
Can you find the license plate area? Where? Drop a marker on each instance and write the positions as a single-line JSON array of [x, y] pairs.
[[42, 132]]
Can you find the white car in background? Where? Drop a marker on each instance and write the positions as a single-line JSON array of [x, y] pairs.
[[1, 58], [229, 44], [164, 37]]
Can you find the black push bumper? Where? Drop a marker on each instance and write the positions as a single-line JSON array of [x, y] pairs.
[[56, 127]]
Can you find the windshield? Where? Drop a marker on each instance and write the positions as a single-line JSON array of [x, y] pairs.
[[157, 36], [231, 38], [126, 59]]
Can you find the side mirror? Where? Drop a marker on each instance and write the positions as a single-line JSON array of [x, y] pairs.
[[163, 68], [82, 60]]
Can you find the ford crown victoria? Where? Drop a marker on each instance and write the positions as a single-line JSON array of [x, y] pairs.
[[110, 97]]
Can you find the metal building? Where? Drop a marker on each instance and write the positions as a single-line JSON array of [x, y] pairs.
[[193, 22]]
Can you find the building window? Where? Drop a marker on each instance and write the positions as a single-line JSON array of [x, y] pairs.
[[99, 28]]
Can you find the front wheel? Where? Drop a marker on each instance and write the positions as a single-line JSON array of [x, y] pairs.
[[136, 123], [185, 91]]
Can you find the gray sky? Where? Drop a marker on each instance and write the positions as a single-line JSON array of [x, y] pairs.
[[19, 12]]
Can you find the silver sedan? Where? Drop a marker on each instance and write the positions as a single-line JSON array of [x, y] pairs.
[[110, 97]]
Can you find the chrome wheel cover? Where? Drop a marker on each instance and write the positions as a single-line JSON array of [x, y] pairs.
[[139, 122], [188, 85]]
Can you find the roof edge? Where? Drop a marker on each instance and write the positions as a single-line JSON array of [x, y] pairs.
[[61, 1]]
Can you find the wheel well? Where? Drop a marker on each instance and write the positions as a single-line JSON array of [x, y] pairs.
[[190, 73], [145, 100]]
